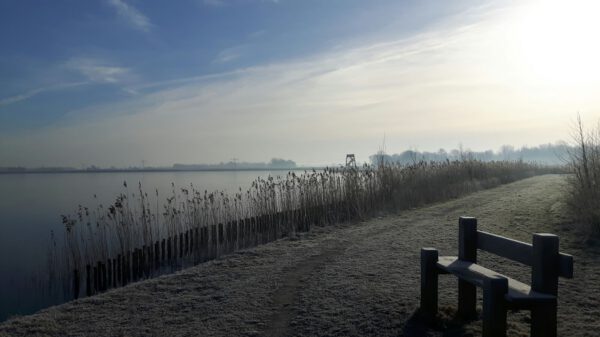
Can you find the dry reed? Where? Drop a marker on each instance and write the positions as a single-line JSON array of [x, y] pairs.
[[132, 239]]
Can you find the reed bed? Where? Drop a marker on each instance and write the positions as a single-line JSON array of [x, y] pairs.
[[138, 237]]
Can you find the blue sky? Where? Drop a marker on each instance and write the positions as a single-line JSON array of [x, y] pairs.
[[98, 82], [63, 55]]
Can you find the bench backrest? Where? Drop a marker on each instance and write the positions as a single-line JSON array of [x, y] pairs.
[[543, 255]]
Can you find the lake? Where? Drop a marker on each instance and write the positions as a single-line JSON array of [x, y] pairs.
[[31, 205]]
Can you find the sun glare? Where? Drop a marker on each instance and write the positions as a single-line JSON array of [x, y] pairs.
[[558, 41]]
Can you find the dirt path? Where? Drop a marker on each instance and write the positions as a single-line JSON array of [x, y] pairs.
[[287, 294], [359, 279]]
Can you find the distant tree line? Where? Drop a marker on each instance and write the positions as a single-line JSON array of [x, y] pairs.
[[549, 154], [275, 163]]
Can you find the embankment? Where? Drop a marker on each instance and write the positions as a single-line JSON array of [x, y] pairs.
[[353, 279]]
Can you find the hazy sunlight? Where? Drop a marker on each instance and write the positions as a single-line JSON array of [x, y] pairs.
[[557, 41]]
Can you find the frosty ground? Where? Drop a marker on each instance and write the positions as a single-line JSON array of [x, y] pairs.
[[353, 279]]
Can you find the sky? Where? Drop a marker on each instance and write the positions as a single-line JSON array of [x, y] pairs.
[[118, 82]]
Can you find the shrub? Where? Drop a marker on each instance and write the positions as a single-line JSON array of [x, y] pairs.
[[584, 183]]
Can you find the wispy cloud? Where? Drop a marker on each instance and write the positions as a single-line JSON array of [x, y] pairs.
[[31, 93], [221, 3], [229, 54], [455, 84], [132, 15], [99, 71], [93, 71]]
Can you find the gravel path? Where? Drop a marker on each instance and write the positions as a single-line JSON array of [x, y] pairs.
[[357, 279]]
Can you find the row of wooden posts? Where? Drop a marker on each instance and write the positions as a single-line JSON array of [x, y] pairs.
[[191, 247]]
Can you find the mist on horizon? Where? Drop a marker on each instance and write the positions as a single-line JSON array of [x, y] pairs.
[[118, 83]]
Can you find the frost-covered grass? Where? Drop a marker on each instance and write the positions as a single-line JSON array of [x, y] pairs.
[[195, 225], [353, 279]]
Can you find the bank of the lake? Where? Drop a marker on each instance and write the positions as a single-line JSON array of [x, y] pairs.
[[356, 279], [31, 205]]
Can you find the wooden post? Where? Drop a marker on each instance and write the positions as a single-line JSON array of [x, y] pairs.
[[143, 264], [127, 267], [197, 239], [429, 282], [494, 306], [100, 276], [201, 245], [186, 242], [271, 226], [75, 284], [467, 251], [104, 279], [95, 280], [205, 243], [227, 227], [143, 255], [544, 278], [141, 258], [109, 272], [88, 281], [135, 266], [114, 266], [120, 279], [235, 235], [156, 255], [213, 241], [191, 241], [249, 231], [180, 245], [149, 259], [262, 228], [174, 260], [99, 266], [130, 266], [220, 244], [138, 264], [544, 268], [253, 231], [242, 233], [169, 248]]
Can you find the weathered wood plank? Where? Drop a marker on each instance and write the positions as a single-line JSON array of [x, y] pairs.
[[565, 265], [519, 251], [505, 247], [519, 294]]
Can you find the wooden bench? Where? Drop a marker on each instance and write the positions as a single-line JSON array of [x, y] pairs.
[[500, 292]]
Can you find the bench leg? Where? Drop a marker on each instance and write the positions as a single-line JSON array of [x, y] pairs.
[[467, 300], [429, 282], [543, 321], [494, 306]]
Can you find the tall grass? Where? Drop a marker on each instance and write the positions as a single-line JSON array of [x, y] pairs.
[[195, 225], [584, 182]]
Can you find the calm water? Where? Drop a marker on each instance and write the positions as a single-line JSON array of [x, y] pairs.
[[31, 205]]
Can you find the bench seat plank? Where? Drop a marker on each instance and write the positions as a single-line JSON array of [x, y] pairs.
[[519, 294]]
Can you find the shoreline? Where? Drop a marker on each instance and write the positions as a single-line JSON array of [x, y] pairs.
[[153, 170], [352, 279]]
